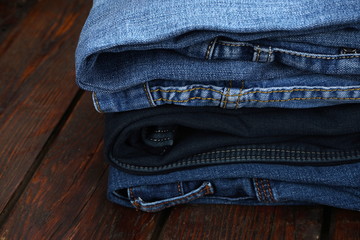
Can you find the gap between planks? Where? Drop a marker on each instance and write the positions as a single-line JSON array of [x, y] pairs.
[[27, 178]]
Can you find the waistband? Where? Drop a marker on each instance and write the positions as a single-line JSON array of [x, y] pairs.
[[283, 93]]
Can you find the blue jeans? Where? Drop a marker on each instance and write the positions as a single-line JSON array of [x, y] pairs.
[[175, 155], [245, 184], [172, 138], [275, 58]]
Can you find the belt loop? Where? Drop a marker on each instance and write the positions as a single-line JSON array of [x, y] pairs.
[[210, 49], [263, 54]]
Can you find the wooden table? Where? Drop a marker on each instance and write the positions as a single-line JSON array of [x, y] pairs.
[[52, 172]]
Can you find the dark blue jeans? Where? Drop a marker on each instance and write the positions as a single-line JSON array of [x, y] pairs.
[[248, 53], [242, 183], [169, 138], [166, 156]]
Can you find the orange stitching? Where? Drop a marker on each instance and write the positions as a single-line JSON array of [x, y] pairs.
[[306, 90], [186, 100], [263, 189], [228, 91], [258, 189], [254, 100], [240, 92], [270, 190], [208, 190], [291, 99], [259, 91]]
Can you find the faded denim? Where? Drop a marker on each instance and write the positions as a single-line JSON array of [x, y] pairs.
[[252, 59]]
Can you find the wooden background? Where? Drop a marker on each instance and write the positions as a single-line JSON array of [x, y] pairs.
[[52, 172]]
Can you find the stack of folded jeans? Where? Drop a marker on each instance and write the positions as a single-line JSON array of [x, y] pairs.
[[247, 102]]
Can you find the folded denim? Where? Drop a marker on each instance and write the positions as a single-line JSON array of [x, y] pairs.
[[294, 92], [241, 183], [170, 138], [124, 47]]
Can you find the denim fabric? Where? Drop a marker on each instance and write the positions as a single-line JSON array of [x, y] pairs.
[[132, 51], [268, 76], [170, 138], [245, 184], [294, 92]]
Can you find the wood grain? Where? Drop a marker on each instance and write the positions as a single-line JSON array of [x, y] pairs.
[[66, 197], [52, 172], [37, 85], [11, 13], [345, 225], [111, 221], [243, 222]]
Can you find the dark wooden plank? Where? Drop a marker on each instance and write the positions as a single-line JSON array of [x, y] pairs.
[[345, 225], [11, 13], [37, 86], [243, 222], [100, 219], [66, 198], [49, 31]]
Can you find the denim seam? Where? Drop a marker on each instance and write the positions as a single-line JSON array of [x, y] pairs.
[[259, 91], [210, 49], [240, 92], [315, 57], [270, 190], [255, 100], [182, 188], [258, 52], [206, 189], [222, 159], [301, 99], [159, 139], [132, 197], [179, 189], [227, 95], [290, 53], [264, 190], [188, 90], [267, 150], [259, 193], [97, 104], [269, 54], [148, 95]]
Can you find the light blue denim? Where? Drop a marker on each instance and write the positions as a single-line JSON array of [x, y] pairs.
[[271, 77], [248, 53], [245, 184]]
